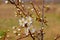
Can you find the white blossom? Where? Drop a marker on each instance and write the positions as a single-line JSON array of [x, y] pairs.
[[22, 22], [32, 9], [42, 27], [29, 20]]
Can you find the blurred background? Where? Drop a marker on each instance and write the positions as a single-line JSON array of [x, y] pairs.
[[8, 19]]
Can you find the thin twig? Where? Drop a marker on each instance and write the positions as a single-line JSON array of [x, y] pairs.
[[34, 9], [57, 37], [31, 35]]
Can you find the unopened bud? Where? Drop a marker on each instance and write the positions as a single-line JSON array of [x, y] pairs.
[[32, 35], [19, 29], [18, 9], [22, 5], [18, 34], [8, 36], [32, 9], [14, 32]]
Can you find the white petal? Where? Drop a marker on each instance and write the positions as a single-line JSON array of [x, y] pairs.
[[23, 25], [33, 30], [23, 19], [28, 28], [22, 5], [26, 31], [30, 18], [20, 20], [25, 22]]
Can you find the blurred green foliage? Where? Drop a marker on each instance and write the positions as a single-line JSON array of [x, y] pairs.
[[2, 33]]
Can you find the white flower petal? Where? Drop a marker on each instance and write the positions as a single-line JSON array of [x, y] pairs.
[[23, 25], [26, 31], [22, 22], [33, 30], [29, 20], [23, 19]]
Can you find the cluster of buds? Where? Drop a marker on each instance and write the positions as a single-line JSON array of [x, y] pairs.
[[5, 35], [44, 20], [16, 30]]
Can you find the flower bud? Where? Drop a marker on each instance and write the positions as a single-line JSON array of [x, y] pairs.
[[14, 32], [8, 36]]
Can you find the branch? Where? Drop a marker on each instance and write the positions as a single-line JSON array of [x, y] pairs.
[[12, 2], [5, 36], [31, 35], [35, 9], [58, 36], [37, 34]]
